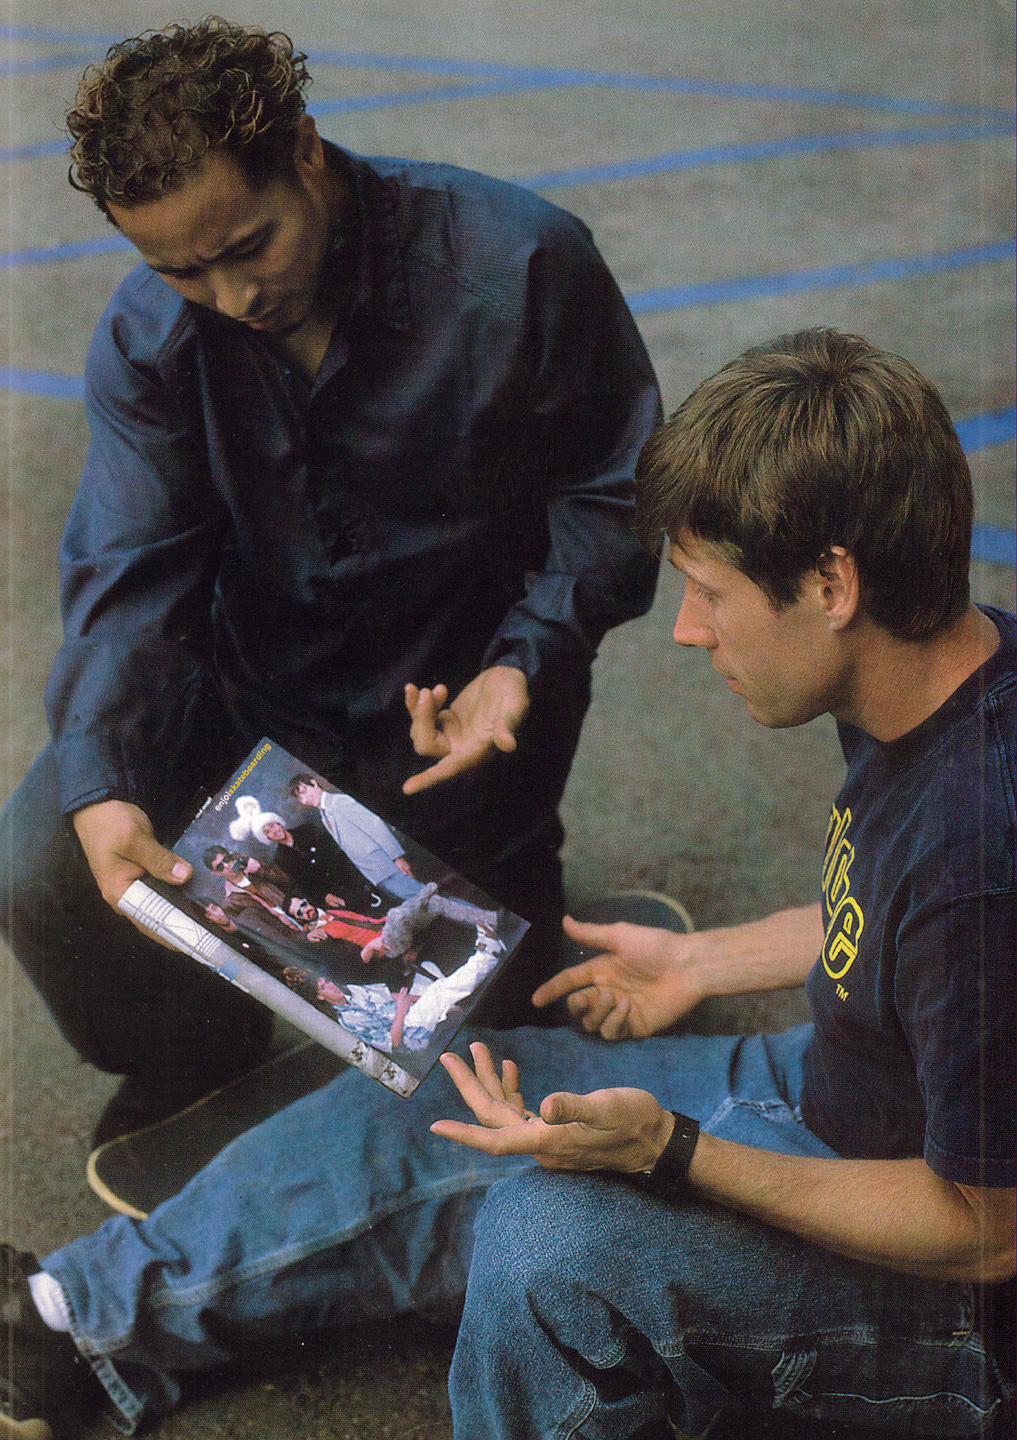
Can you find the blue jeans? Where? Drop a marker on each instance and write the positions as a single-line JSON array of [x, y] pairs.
[[398, 886], [590, 1308], [126, 1004]]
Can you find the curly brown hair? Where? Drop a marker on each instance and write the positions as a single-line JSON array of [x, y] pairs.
[[161, 100]]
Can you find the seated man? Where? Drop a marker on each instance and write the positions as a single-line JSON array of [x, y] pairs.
[[820, 1221], [360, 479]]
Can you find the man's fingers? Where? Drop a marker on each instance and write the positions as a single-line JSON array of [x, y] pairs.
[[503, 737], [598, 1006], [435, 774], [596, 937], [423, 706], [473, 1090], [486, 1073], [564, 1108], [576, 977], [521, 1139], [615, 1024]]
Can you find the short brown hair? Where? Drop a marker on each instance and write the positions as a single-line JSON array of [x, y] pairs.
[[161, 100], [816, 440]]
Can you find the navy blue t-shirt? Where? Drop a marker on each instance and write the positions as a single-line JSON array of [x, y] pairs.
[[913, 995]]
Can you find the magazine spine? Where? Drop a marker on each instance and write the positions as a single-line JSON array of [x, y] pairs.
[[179, 930]]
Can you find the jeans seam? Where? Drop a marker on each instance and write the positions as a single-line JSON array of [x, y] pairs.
[[106, 1373], [167, 1298]]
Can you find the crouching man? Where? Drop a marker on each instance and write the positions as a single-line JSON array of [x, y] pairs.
[[821, 1220]]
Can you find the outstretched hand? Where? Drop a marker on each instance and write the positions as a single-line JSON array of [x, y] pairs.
[[642, 983], [621, 1129], [120, 847], [485, 717]]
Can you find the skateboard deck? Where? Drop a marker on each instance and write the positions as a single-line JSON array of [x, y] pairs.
[[137, 1172]]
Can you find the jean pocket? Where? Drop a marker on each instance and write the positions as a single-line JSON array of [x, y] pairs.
[[907, 1388]]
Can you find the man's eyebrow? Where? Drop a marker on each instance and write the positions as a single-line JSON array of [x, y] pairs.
[[204, 261]]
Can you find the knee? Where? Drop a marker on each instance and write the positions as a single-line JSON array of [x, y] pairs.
[[36, 851], [34, 832], [541, 1233]]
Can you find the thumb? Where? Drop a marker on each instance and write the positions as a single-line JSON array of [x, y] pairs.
[[584, 932], [563, 1108], [156, 860]]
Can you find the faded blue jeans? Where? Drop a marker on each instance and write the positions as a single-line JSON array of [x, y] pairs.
[[591, 1309]]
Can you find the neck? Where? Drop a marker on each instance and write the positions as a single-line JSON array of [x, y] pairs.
[[898, 684], [307, 345]]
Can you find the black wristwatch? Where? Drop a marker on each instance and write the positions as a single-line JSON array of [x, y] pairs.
[[671, 1172]]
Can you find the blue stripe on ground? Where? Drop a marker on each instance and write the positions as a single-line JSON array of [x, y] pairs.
[[529, 76], [733, 154], [71, 250], [743, 153], [826, 277], [991, 543]]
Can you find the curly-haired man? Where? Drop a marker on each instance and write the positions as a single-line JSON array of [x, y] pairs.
[[363, 439]]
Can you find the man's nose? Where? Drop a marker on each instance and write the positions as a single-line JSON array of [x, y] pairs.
[[237, 299], [689, 628]]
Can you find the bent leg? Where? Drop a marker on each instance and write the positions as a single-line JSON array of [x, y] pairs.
[[126, 1004], [593, 1310], [342, 1208]]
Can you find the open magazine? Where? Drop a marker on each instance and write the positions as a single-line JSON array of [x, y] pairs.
[[310, 902]]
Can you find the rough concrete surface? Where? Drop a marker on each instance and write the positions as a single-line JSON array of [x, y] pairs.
[[805, 148]]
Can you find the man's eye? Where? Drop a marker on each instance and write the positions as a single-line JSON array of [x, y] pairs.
[[245, 252]]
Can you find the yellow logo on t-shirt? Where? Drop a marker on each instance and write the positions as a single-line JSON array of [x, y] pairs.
[[846, 921]]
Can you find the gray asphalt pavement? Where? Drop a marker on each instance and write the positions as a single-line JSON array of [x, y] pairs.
[[747, 168]]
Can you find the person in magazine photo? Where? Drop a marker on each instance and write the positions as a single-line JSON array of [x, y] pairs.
[[316, 865], [647, 1226], [260, 933], [440, 945], [364, 839]]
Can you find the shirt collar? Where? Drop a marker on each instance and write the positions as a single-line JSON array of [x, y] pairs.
[[366, 259]]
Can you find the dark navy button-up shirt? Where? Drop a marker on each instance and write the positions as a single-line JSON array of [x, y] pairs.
[[452, 491]]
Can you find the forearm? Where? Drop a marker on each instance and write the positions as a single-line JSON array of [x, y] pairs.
[[769, 954], [895, 1213]]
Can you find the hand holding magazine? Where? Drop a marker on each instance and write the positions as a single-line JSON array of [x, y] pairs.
[[310, 902]]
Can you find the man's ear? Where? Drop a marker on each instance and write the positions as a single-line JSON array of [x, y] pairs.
[[838, 587], [309, 150]]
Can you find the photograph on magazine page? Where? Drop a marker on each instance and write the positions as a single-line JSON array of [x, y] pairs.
[[365, 925]]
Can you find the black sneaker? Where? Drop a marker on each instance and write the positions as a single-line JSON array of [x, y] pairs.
[[47, 1389]]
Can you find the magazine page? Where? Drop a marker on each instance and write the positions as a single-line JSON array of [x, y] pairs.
[[318, 892], [178, 929]]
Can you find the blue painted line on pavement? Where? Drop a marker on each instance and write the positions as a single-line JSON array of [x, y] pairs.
[[983, 430], [43, 150], [675, 85], [988, 542], [734, 154], [529, 76], [993, 543], [40, 382], [72, 250], [826, 277], [740, 154]]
